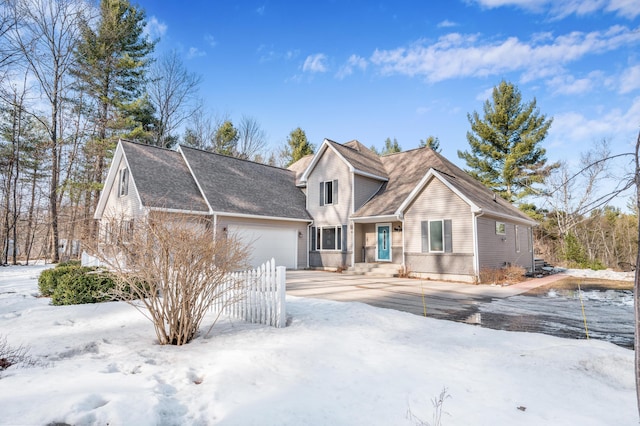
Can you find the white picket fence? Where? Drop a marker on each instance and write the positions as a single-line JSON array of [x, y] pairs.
[[256, 296]]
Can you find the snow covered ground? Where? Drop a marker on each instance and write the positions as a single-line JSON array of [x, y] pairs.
[[335, 364]]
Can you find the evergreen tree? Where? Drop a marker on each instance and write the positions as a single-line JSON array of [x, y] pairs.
[[112, 59], [391, 147], [225, 139], [298, 146], [431, 142], [505, 144]]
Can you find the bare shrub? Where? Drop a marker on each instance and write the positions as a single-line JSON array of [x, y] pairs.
[[508, 275], [513, 274], [438, 403], [15, 355], [173, 268]]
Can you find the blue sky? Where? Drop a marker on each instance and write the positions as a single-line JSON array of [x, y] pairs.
[[369, 70]]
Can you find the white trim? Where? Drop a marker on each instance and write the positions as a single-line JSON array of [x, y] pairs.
[[326, 143], [166, 210], [370, 175], [528, 222], [431, 250], [476, 244], [420, 186], [389, 225], [255, 216], [118, 156], [375, 219], [195, 178]]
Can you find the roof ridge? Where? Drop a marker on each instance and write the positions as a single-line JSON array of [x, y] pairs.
[[147, 145], [246, 160]]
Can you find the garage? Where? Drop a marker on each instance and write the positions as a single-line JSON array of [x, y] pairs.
[[268, 242]]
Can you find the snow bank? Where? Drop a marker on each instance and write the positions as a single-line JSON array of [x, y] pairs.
[[337, 363], [604, 274]]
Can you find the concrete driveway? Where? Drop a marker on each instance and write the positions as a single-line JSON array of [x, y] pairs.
[[439, 299]]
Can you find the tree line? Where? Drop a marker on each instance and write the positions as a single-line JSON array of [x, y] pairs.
[[74, 78]]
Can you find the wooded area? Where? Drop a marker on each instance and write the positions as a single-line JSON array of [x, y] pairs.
[[74, 78]]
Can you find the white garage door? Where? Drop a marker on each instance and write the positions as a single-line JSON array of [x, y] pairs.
[[269, 242]]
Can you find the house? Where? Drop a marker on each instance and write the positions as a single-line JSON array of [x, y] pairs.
[[256, 202], [415, 209], [341, 207]]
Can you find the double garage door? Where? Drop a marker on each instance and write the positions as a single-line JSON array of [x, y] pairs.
[[268, 242]]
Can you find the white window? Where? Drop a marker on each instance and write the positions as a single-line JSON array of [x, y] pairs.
[[500, 228], [517, 240], [123, 183], [437, 236], [329, 192], [328, 237]]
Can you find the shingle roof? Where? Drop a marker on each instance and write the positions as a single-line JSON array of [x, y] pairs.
[[406, 170], [300, 166], [162, 178], [236, 186], [360, 157]]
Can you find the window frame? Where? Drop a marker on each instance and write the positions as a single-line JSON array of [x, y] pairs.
[[447, 236], [431, 249], [318, 236], [123, 183], [501, 228]]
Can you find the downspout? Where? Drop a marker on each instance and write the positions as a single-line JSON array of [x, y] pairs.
[[215, 226], [353, 243], [476, 248], [404, 248], [308, 250]]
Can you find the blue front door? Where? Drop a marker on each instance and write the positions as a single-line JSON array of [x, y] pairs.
[[384, 242]]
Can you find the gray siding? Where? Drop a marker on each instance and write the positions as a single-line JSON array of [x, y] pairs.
[[330, 167], [438, 202], [497, 250], [453, 266], [364, 189]]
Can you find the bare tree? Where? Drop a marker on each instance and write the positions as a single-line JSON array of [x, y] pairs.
[[172, 269], [46, 40], [172, 89], [251, 138], [636, 283]]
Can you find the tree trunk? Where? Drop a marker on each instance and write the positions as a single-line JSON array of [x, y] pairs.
[[636, 282]]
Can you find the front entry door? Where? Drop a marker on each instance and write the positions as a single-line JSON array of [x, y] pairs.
[[384, 242]]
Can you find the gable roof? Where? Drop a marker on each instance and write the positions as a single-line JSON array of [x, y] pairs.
[[162, 178], [299, 167], [409, 171], [241, 187], [360, 159]]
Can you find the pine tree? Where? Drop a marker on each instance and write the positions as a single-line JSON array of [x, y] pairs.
[[225, 139], [431, 142], [505, 144], [112, 59], [298, 146], [391, 147]]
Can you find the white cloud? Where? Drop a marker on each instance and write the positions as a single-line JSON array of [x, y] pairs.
[[562, 8], [315, 63], [574, 128], [565, 84], [447, 24], [211, 41], [461, 55], [194, 52], [155, 28], [630, 79], [354, 62]]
